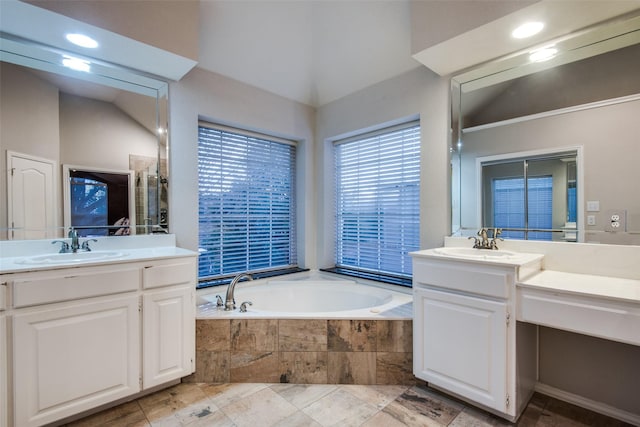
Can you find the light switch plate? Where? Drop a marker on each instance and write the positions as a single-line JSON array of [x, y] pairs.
[[593, 206]]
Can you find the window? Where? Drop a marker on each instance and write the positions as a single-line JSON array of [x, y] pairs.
[[246, 191], [377, 203], [509, 202]]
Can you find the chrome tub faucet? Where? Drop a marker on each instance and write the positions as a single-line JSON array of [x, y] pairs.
[[230, 302]]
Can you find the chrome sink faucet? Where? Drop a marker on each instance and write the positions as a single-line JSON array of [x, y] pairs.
[[75, 244], [483, 241], [230, 302]]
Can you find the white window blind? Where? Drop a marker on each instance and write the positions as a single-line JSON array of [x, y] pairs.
[[246, 191], [377, 200]]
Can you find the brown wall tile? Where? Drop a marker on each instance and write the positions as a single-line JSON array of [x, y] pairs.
[[351, 367], [212, 335], [303, 367], [254, 367], [302, 335], [254, 335], [351, 335], [212, 367], [395, 336], [395, 368]]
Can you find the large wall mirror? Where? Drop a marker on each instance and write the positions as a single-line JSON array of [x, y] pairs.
[[54, 119], [549, 149]]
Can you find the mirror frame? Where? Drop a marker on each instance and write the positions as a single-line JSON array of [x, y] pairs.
[[34, 55]]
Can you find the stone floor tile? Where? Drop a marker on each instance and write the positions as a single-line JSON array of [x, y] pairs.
[[472, 417], [383, 419], [377, 395], [165, 403], [340, 408], [127, 413], [302, 395], [264, 408], [224, 394], [427, 403], [298, 419]]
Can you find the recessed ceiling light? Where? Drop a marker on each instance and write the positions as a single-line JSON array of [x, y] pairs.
[[543, 54], [527, 29], [76, 63], [82, 40]]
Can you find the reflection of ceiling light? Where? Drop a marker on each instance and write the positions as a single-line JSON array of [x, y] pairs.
[[82, 40], [543, 54], [76, 63], [527, 29], [161, 131]]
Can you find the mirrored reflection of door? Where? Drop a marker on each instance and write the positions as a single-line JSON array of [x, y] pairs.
[[31, 198], [531, 198]]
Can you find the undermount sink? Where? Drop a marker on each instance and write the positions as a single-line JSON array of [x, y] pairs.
[[72, 258], [472, 253]]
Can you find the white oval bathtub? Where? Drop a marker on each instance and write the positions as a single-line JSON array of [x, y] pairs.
[[309, 298]]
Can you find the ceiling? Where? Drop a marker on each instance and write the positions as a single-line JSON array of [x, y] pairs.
[[311, 51]]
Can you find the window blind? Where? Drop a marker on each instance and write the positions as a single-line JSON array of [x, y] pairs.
[[246, 213], [377, 179]]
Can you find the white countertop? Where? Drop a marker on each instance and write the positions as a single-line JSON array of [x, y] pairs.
[[16, 254], [519, 259], [585, 284]]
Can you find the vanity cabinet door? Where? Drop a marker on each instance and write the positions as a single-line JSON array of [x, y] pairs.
[[74, 356], [168, 334], [460, 344]]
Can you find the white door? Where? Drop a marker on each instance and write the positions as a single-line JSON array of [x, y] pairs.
[[74, 357], [168, 335], [460, 344], [31, 197]]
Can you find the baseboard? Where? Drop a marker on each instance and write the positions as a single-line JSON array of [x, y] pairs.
[[583, 402]]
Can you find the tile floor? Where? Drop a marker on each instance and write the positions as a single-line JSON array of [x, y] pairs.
[[289, 405]]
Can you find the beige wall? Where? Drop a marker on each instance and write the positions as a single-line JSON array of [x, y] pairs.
[[171, 25], [219, 99]]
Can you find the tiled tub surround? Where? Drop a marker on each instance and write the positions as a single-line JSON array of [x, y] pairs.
[[304, 351]]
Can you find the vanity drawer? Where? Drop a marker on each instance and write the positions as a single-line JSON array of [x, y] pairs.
[[608, 319], [172, 272], [72, 284], [465, 277]]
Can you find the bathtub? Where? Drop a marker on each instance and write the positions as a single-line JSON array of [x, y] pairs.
[[310, 328], [314, 295]]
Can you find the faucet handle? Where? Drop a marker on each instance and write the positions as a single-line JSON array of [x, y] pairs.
[[219, 302], [243, 306], [64, 247], [85, 244]]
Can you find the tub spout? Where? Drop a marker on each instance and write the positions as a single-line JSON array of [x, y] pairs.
[[230, 302]]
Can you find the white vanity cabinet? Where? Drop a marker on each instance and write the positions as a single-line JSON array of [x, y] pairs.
[[168, 321], [86, 336], [465, 333]]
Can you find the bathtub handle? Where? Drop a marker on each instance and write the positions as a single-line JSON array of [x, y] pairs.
[[243, 306], [219, 302]]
